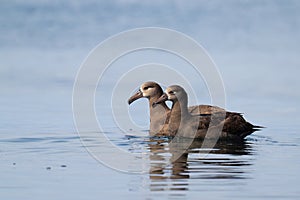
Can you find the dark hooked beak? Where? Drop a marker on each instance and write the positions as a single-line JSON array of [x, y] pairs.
[[136, 96], [161, 99]]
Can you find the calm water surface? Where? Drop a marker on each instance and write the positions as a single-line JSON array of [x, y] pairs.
[[47, 165]]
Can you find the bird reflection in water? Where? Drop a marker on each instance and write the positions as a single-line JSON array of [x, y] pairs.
[[172, 162]]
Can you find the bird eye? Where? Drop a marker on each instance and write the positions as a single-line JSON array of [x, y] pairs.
[[147, 87], [171, 92]]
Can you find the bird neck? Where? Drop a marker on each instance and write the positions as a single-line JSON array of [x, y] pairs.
[[179, 111], [158, 115]]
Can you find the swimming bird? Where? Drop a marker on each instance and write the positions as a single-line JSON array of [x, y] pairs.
[[222, 124], [160, 113]]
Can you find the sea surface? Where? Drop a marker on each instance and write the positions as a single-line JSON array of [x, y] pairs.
[[44, 43]]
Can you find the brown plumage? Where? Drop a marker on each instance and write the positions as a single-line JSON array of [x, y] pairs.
[[222, 124], [159, 114]]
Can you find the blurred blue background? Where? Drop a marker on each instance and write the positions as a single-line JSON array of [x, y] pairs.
[[254, 44]]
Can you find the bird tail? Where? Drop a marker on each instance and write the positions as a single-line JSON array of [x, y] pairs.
[[257, 127]]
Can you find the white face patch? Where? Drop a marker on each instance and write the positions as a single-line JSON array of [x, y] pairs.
[[143, 92], [150, 89], [147, 92], [168, 95]]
